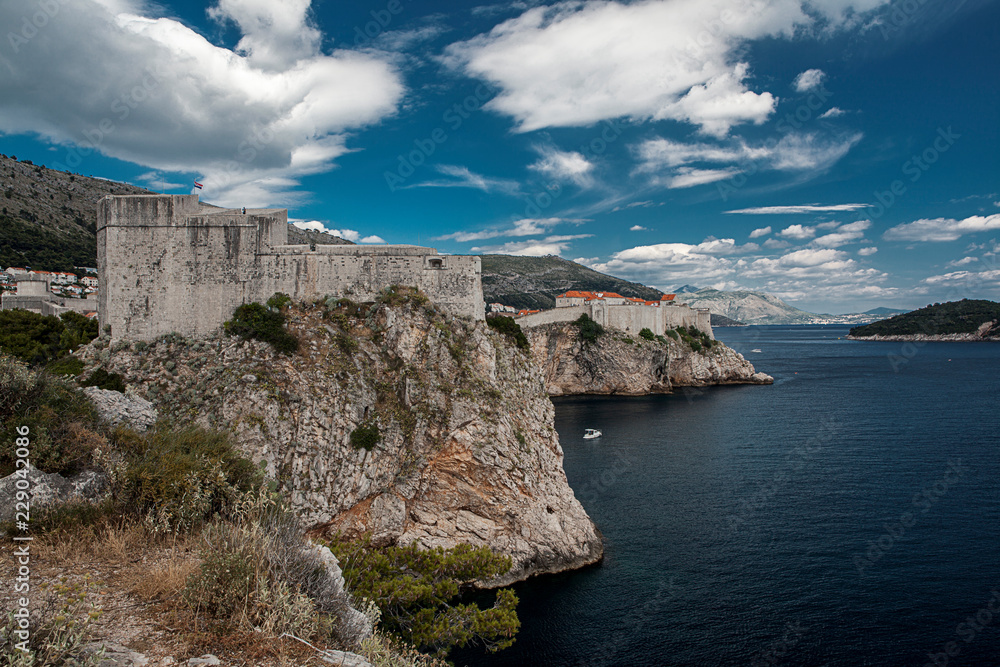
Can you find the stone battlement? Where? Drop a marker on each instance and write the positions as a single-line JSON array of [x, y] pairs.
[[170, 263]]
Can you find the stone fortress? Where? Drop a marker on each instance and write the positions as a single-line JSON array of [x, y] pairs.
[[170, 263], [627, 314], [34, 294]]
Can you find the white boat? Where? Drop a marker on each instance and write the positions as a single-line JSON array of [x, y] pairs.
[[591, 433], [756, 349]]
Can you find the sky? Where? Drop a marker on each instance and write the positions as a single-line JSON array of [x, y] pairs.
[[840, 154]]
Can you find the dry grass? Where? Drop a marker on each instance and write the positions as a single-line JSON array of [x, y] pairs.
[[164, 581]]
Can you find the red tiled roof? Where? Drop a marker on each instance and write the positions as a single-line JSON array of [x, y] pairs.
[[667, 297]]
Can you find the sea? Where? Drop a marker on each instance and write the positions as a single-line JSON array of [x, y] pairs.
[[848, 514]]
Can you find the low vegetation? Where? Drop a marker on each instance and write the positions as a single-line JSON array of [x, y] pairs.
[[418, 591], [954, 317], [590, 330], [509, 327], [365, 437], [41, 339], [265, 323]]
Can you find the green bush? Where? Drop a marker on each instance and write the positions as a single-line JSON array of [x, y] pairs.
[[418, 590], [63, 425], [39, 339], [672, 334], [511, 329], [397, 295], [252, 320], [366, 437], [177, 479], [647, 334], [68, 365], [278, 301], [589, 329], [102, 379]]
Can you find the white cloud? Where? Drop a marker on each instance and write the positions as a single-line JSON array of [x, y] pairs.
[[942, 229], [635, 204], [461, 177], [637, 228], [564, 166], [963, 261], [967, 279], [865, 252], [832, 112], [776, 244], [803, 208], [760, 231], [798, 232], [550, 245], [372, 239], [794, 152], [150, 90], [523, 227], [346, 234], [310, 225], [849, 233], [809, 80]]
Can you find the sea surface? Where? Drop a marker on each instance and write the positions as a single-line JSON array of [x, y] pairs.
[[847, 515]]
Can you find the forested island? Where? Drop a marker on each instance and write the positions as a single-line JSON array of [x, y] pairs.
[[968, 319]]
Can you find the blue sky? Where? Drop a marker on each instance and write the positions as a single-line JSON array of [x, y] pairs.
[[841, 154]]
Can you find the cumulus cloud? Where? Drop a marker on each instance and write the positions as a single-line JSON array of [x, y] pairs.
[[576, 63], [550, 245], [346, 234], [801, 208], [809, 80], [461, 177], [870, 250], [760, 231], [798, 232], [637, 228], [844, 234], [967, 279], [963, 261], [564, 166], [942, 229], [832, 112], [116, 76]]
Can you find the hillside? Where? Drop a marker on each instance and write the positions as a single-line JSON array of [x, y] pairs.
[[48, 218], [534, 282], [749, 307], [977, 318]]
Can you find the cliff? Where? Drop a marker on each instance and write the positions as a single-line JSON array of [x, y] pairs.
[[615, 363], [460, 428]]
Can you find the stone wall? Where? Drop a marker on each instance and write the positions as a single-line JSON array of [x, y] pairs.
[[628, 318], [171, 263]]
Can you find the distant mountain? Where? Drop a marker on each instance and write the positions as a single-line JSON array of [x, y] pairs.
[[955, 317], [534, 282], [723, 321], [686, 288], [48, 218], [749, 307]]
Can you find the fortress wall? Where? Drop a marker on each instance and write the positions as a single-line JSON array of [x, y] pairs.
[[630, 319], [169, 263], [633, 319], [569, 314]]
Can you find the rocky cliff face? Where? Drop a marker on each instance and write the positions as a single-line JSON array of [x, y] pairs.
[[461, 427], [618, 364]]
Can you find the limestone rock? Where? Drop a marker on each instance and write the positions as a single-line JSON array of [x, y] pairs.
[[618, 364], [118, 408], [344, 659], [353, 623], [206, 660], [467, 451], [115, 655], [50, 488]]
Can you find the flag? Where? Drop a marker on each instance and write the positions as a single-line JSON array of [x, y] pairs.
[[197, 185]]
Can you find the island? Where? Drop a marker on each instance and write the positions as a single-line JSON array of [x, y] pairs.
[[965, 320]]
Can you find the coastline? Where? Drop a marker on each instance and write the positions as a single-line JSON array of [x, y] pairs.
[[972, 337]]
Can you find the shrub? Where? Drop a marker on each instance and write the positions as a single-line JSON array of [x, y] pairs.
[[177, 479], [647, 334], [417, 592], [102, 379], [259, 574], [63, 425], [511, 329], [365, 437], [589, 329], [672, 334], [397, 295], [66, 366], [252, 320], [39, 339], [278, 301]]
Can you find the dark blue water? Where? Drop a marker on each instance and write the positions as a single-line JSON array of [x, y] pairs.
[[847, 515]]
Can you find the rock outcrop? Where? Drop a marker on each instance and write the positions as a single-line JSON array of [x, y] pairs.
[[117, 408], [463, 448], [617, 364], [50, 489]]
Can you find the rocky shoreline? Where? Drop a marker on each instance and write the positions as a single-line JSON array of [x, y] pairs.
[[931, 338], [617, 364]]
